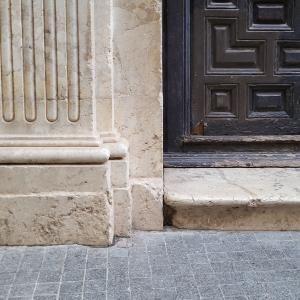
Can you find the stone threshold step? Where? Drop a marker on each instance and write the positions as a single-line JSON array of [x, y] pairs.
[[233, 199]]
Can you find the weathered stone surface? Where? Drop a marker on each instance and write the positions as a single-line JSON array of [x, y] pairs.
[[123, 211], [138, 82], [35, 179], [147, 204], [56, 205], [120, 173], [47, 219], [245, 199], [103, 26]]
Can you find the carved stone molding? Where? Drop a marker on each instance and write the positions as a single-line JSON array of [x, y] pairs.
[[47, 73]]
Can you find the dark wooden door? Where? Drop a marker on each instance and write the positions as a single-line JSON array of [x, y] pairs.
[[232, 79], [245, 66]]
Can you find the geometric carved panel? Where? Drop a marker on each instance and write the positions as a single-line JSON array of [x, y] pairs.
[[227, 4], [226, 53], [288, 57], [270, 101], [221, 101], [271, 15]]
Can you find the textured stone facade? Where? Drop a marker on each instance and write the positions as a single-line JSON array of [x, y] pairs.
[[76, 76]]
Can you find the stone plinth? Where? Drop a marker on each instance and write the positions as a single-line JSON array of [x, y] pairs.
[[233, 199]]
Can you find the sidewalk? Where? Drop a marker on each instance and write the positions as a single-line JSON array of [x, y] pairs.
[[165, 265]]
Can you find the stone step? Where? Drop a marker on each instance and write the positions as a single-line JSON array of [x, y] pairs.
[[233, 198]]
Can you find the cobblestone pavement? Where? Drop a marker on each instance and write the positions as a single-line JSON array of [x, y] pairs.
[[167, 265]]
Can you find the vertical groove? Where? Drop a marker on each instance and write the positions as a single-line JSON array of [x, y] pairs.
[[28, 60], [6, 61], [50, 60], [73, 60]]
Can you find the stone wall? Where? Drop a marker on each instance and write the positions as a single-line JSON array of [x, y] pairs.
[[76, 76], [137, 44]]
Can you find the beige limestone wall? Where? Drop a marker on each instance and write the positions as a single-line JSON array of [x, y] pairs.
[[137, 46], [78, 75], [138, 82]]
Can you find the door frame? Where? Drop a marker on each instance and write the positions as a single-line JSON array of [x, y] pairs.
[[177, 97], [206, 151]]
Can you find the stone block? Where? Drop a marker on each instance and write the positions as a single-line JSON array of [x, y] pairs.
[[147, 204], [120, 173], [123, 211], [46, 205]]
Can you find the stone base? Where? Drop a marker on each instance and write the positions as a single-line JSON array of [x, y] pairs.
[[147, 204], [233, 199], [234, 218], [47, 205]]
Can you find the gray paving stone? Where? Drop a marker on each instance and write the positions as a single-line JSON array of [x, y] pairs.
[[246, 236], [94, 286], [96, 274], [22, 290], [75, 275], [97, 262], [26, 276], [159, 260], [242, 266], [118, 282], [232, 290], [141, 287], [161, 270], [254, 288], [54, 258], [20, 298], [71, 288], [230, 277], [178, 259], [228, 237], [224, 247], [181, 269], [70, 297], [161, 282], [198, 258], [95, 296], [236, 298], [221, 267], [43, 289], [218, 256], [160, 265], [209, 279], [159, 249], [10, 261], [49, 275], [186, 288], [118, 252], [165, 294], [273, 236], [118, 295], [209, 291], [46, 297], [202, 269], [139, 270], [4, 290], [7, 278], [32, 261]]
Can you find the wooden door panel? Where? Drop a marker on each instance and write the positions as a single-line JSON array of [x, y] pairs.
[[245, 66]]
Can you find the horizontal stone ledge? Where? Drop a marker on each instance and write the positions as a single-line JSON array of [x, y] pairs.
[[232, 187], [54, 155], [55, 141], [117, 150], [232, 198], [180, 200]]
